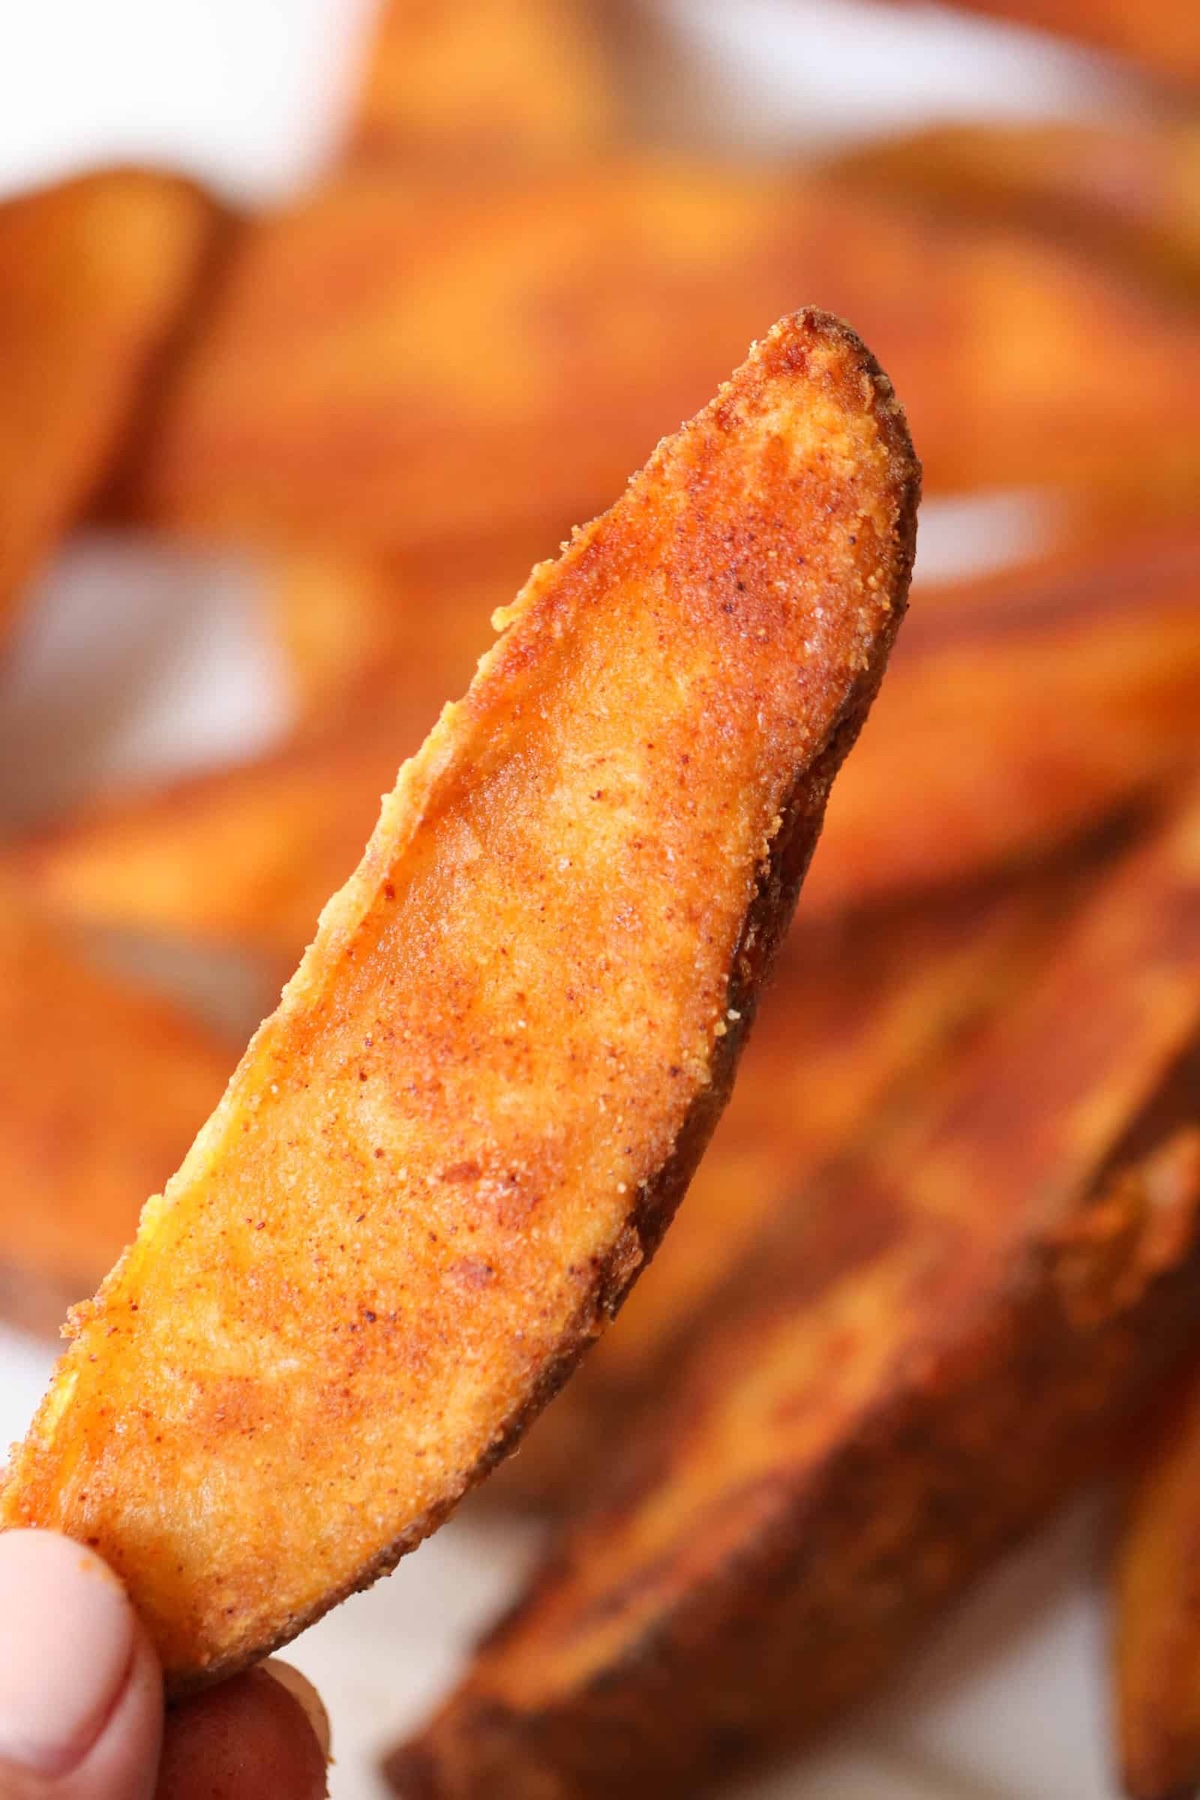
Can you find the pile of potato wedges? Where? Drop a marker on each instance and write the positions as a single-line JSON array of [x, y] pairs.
[[939, 1266]]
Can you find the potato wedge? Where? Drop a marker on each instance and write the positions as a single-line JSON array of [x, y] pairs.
[[1157, 1636], [1161, 37], [1025, 708], [330, 392], [95, 275], [857, 1013], [1128, 189], [362, 630], [978, 1304], [443, 1160], [490, 78], [337, 614], [102, 1087]]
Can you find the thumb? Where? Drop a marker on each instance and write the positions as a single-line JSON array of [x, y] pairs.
[[80, 1689]]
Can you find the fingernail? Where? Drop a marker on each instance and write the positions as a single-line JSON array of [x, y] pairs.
[[306, 1696], [66, 1647]]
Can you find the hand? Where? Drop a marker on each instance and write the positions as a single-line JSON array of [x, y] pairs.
[[81, 1708]]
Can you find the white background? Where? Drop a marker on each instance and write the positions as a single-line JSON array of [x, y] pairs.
[[1007, 1702]]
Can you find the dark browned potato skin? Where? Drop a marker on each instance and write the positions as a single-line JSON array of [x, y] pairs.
[[787, 507], [1156, 1650], [977, 1307], [859, 1012]]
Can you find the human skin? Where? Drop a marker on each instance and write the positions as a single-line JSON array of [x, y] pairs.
[[81, 1700]]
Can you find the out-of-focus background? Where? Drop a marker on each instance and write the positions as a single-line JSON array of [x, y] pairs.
[[281, 434]]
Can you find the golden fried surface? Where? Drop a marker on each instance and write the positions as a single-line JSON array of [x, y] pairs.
[[331, 390], [94, 277], [441, 1162], [102, 1088], [854, 1017], [1128, 188], [978, 1302], [1024, 708], [471, 78], [1157, 1599]]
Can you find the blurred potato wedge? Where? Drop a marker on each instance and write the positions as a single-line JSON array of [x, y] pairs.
[[96, 275], [520, 78], [443, 1160], [1131, 190], [1025, 708], [361, 629], [977, 1304], [1161, 37], [1157, 1603], [102, 1087], [856, 1016], [334, 390]]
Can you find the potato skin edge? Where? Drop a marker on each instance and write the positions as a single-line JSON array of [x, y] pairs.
[[763, 929]]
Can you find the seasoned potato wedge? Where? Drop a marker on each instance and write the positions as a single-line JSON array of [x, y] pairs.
[[1157, 1601], [978, 1303], [471, 78], [331, 392], [857, 1014], [1129, 189], [443, 1160], [94, 277], [1024, 708], [102, 1088]]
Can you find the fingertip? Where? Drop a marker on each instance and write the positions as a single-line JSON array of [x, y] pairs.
[[306, 1696], [250, 1736], [78, 1681]]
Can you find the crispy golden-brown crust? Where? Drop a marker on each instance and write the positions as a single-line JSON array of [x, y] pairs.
[[443, 1160], [977, 1305], [102, 1088], [1156, 1652], [95, 275], [330, 391], [483, 78], [1024, 708], [1128, 188]]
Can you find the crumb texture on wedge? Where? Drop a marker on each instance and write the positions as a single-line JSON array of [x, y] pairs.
[[443, 1159]]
